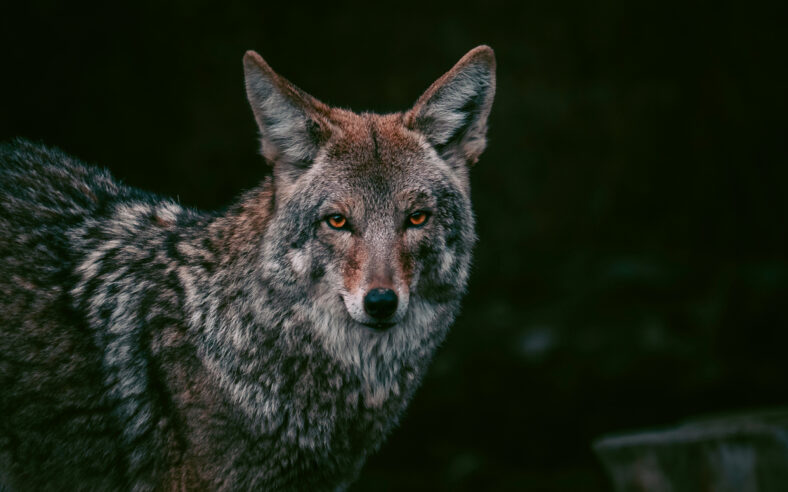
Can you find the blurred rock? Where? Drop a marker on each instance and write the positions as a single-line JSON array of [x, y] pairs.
[[742, 453]]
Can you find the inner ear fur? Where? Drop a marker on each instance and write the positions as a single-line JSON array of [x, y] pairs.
[[452, 114], [293, 125]]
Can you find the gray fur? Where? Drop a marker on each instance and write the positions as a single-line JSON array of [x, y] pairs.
[[145, 345]]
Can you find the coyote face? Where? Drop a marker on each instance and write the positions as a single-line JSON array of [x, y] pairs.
[[379, 222], [373, 211]]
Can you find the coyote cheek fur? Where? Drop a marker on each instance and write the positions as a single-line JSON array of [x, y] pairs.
[[273, 346]]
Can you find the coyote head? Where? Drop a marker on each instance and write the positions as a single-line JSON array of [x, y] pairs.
[[372, 221]]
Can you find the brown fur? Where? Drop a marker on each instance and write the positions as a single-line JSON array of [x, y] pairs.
[[354, 267]]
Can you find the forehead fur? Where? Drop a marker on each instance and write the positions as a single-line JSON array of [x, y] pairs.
[[373, 140], [375, 162]]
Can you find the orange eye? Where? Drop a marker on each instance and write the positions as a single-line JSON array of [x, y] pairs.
[[337, 221], [417, 219]]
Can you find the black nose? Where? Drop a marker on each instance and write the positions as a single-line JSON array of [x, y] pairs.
[[380, 303]]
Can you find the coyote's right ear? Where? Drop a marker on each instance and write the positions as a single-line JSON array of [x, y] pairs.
[[453, 112], [293, 124]]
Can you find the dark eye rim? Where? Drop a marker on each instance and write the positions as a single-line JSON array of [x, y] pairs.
[[345, 223], [410, 224]]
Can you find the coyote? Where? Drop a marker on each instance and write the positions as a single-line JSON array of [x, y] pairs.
[[272, 346]]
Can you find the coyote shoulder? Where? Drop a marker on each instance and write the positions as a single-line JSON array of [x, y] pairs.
[[145, 345]]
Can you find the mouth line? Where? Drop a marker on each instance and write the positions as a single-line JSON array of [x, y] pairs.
[[381, 325]]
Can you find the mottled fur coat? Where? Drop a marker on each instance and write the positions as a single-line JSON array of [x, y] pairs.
[[273, 346]]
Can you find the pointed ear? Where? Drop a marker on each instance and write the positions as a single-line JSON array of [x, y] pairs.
[[453, 113], [293, 124]]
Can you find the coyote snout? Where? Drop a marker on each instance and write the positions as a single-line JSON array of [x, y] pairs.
[[380, 303], [377, 286], [377, 307]]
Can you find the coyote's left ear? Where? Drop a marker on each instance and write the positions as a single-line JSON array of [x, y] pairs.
[[453, 113], [293, 124]]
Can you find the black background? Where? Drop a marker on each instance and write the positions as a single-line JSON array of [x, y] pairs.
[[631, 269]]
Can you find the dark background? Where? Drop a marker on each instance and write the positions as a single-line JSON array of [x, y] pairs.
[[631, 270]]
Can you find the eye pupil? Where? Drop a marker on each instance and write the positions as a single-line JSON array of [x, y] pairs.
[[417, 218], [337, 221]]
